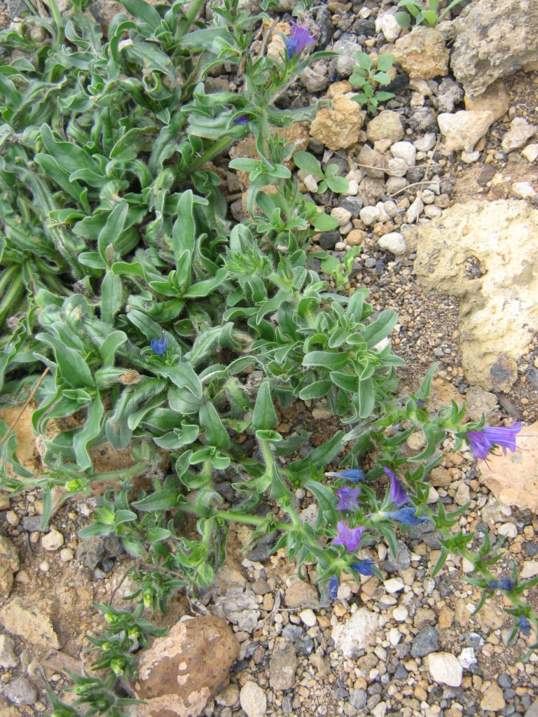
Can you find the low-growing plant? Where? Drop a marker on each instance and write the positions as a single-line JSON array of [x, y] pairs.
[[368, 75], [158, 324], [424, 12], [328, 179]]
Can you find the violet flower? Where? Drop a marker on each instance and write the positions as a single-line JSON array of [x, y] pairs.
[[524, 624], [397, 493], [334, 582], [241, 120], [364, 567], [502, 584], [159, 346], [348, 498], [298, 39], [406, 516], [354, 475], [350, 538], [483, 441]]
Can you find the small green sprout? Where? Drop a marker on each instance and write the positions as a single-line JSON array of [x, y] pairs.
[[423, 14], [368, 75]]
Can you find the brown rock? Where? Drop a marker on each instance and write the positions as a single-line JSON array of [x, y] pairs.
[[180, 672], [301, 594], [9, 564], [422, 54], [495, 100], [386, 125], [29, 623], [373, 163], [356, 237], [338, 127], [493, 699], [283, 666], [513, 478], [479, 403], [339, 88]]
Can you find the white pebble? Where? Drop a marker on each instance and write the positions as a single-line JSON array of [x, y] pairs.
[[509, 530], [393, 585], [426, 142], [308, 617], [530, 152], [53, 540], [414, 211], [394, 636], [389, 26], [369, 215], [66, 554], [310, 183], [397, 167], [406, 151], [341, 215], [525, 190], [470, 157], [400, 613], [393, 242]]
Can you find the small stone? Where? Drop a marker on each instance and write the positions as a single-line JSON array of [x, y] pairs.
[[338, 127], [282, 666], [66, 555], [308, 617], [467, 658], [523, 190], [358, 698], [372, 162], [406, 151], [470, 157], [393, 585], [9, 564], [8, 658], [426, 142], [301, 594], [393, 242], [310, 183], [389, 26], [380, 710], [415, 210], [444, 668], [509, 530], [400, 613], [315, 78], [253, 700], [386, 125], [529, 569], [519, 134], [356, 633], [341, 215], [462, 130], [53, 540], [463, 494], [346, 50], [397, 167], [422, 53], [369, 215], [426, 641], [493, 699], [495, 99], [12, 518], [355, 237], [229, 697], [240, 608], [20, 691], [530, 152]]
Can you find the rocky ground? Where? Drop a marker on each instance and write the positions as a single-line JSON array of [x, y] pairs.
[[443, 204]]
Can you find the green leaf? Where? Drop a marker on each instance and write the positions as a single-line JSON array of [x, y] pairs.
[[215, 432], [325, 359], [160, 500], [178, 437], [143, 11], [111, 296], [89, 432], [345, 381], [323, 222], [317, 389], [382, 78], [403, 19], [72, 367], [380, 328], [366, 398], [385, 61], [182, 375], [309, 164], [339, 185], [111, 231], [364, 61], [264, 415]]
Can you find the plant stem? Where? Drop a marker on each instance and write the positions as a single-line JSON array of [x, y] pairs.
[[219, 146]]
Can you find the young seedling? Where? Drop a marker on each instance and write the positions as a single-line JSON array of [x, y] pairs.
[[328, 179], [368, 75], [423, 14]]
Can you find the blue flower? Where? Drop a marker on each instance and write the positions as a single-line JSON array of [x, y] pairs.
[[397, 493], [501, 584], [242, 120], [354, 475], [350, 538], [406, 516], [364, 567], [483, 441], [524, 624], [334, 582], [298, 39], [348, 498], [159, 346]]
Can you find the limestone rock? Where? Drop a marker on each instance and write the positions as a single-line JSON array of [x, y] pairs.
[[493, 699], [495, 99], [181, 671], [494, 40], [8, 658], [444, 668], [356, 633], [338, 127], [422, 53], [462, 130], [372, 162], [386, 125], [519, 134], [301, 594], [239, 607], [498, 309], [393, 242], [29, 623], [513, 478], [253, 700], [9, 564], [283, 666], [479, 403]]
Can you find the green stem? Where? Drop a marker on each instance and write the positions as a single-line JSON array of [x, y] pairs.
[[232, 516], [219, 146], [11, 298], [191, 16]]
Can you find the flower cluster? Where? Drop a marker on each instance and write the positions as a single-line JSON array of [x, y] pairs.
[[484, 441], [298, 39]]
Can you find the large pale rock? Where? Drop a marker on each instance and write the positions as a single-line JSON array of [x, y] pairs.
[[422, 54], [444, 668], [464, 129], [493, 40], [180, 672], [9, 564], [338, 127], [495, 100], [29, 623], [513, 477], [386, 125], [498, 309], [356, 633]]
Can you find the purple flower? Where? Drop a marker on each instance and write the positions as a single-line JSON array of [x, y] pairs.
[[397, 493], [242, 120], [334, 582], [502, 584], [298, 39], [354, 475], [364, 567], [350, 538], [347, 498], [483, 441], [524, 624], [406, 516], [159, 346]]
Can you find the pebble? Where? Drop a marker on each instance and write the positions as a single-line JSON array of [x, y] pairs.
[[253, 700], [467, 658], [369, 215], [426, 642], [519, 133], [20, 691], [301, 594], [310, 183], [308, 617], [393, 585], [397, 167], [426, 142], [530, 152], [529, 569], [523, 190], [493, 699], [12, 518], [8, 658], [282, 666], [341, 215], [389, 26], [358, 698], [444, 668], [406, 151], [53, 540], [66, 554], [509, 530], [386, 125], [393, 242], [400, 613]]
